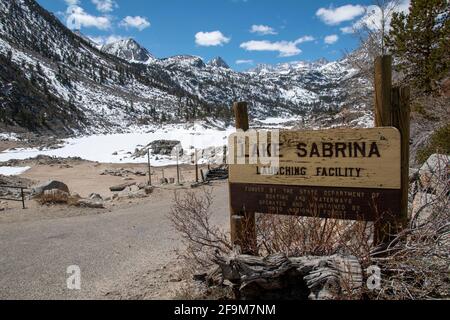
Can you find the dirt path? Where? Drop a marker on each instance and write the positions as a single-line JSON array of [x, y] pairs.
[[123, 251]]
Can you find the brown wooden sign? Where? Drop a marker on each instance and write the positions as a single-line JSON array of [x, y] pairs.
[[339, 173]]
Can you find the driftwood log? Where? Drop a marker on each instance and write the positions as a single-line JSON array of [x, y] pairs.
[[280, 277]]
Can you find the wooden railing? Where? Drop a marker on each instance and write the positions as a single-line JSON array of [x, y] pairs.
[[22, 194]]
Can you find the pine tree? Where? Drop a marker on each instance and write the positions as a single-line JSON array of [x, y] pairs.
[[420, 41], [9, 56]]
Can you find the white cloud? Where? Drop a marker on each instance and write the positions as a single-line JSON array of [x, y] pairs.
[[137, 22], [102, 40], [372, 17], [334, 16], [348, 29], [332, 38], [104, 5], [72, 2], [262, 30], [208, 39], [285, 48], [244, 61], [78, 18]]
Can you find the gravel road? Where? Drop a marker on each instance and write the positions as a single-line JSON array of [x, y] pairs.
[[110, 248]]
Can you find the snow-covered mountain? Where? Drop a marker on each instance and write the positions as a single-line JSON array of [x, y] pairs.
[[128, 50], [54, 79], [218, 62]]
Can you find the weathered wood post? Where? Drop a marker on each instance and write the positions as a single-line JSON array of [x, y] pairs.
[[383, 91], [383, 118], [149, 168], [196, 165], [243, 225], [392, 110], [178, 165], [401, 114]]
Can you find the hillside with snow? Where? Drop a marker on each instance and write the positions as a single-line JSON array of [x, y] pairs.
[[57, 81]]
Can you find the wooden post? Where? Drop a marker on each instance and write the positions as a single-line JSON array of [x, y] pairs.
[[178, 166], [383, 118], [241, 115], [383, 91], [149, 169], [225, 150], [392, 109], [196, 166], [243, 224], [22, 194], [203, 175], [401, 114]]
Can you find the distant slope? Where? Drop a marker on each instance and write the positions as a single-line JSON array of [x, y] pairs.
[[78, 88]]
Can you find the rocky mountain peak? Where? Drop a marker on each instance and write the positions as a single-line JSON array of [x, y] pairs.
[[218, 62], [129, 50]]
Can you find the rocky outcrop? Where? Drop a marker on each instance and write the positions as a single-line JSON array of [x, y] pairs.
[[434, 174]]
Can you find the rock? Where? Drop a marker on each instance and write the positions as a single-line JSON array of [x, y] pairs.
[[159, 147], [88, 203], [142, 185], [163, 181], [137, 194], [424, 207], [133, 188], [54, 196], [95, 197], [413, 175], [171, 180], [121, 187], [49, 185], [149, 189], [434, 174]]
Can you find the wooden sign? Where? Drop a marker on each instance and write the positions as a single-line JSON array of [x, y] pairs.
[[341, 173]]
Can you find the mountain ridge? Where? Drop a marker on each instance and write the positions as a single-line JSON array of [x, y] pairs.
[[113, 90]]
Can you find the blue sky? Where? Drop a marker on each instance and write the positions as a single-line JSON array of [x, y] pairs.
[[244, 32]]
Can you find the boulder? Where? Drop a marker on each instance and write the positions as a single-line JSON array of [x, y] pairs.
[[137, 194], [88, 203], [424, 206], [122, 186], [49, 185], [413, 175], [95, 197], [54, 196], [434, 174], [159, 147], [142, 185], [149, 189], [165, 147]]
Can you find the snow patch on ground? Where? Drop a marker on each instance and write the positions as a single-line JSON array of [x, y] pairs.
[[13, 171], [276, 120], [8, 137], [118, 148]]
